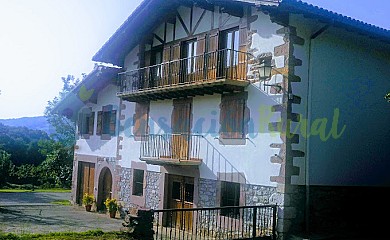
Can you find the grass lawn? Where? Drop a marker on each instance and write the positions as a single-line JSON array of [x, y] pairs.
[[58, 190], [89, 235], [62, 202]]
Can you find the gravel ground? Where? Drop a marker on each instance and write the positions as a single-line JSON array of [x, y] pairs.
[[33, 213]]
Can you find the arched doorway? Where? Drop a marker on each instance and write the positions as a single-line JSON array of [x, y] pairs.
[[105, 188]]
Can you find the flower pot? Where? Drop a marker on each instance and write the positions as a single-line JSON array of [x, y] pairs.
[[112, 214], [88, 208]]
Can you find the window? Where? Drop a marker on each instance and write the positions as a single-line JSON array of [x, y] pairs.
[[230, 43], [138, 182], [234, 116], [189, 53], [156, 69], [85, 123], [106, 123], [230, 196], [141, 120]]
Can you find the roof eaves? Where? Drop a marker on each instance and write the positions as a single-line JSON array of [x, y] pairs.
[[83, 92], [335, 18]]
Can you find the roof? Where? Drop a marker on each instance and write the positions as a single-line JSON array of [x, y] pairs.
[[150, 12], [86, 91], [336, 19]]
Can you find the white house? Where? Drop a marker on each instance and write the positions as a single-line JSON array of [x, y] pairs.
[[195, 117]]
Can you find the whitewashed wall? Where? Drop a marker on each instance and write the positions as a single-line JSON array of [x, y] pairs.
[[94, 146], [253, 158]]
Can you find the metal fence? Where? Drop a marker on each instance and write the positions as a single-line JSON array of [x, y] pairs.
[[245, 222]]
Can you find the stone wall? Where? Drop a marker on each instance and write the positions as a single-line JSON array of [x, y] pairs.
[[152, 191], [207, 193], [124, 193], [258, 195]]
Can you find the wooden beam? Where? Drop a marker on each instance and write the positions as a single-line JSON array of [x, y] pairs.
[[197, 24], [182, 23]]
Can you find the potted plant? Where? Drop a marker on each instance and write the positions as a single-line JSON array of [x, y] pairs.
[[88, 200], [112, 206]]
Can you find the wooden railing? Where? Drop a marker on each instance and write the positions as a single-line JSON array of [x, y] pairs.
[[185, 148], [222, 64], [181, 147]]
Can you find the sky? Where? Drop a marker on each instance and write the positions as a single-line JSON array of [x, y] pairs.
[[44, 40]]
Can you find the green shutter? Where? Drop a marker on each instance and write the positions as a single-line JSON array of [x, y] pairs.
[[79, 124], [113, 122], [99, 123], [90, 123]]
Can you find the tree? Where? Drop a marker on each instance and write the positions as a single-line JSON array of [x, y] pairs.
[[64, 127], [56, 170], [6, 167]]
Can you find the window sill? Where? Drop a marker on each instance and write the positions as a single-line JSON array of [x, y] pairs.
[[84, 136], [105, 137], [232, 141]]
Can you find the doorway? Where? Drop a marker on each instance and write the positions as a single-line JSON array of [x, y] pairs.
[[181, 128], [181, 195], [105, 188], [85, 182]]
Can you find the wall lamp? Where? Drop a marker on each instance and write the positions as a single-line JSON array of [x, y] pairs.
[[265, 73]]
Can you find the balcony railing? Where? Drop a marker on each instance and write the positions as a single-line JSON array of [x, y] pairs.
[[174, 149], [188, 149], [222, 67], [245, 222]]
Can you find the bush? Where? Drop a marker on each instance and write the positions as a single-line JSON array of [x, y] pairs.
[[88, 199], [111, 204]]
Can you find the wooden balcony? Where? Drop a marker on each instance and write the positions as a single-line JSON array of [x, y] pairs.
[[214, 72], [171, 149]]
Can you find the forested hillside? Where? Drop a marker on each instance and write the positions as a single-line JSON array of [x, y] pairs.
[[35, 123], [22, 144], [31, 157]]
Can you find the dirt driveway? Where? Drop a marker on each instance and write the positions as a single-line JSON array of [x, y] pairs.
[[33, 212]]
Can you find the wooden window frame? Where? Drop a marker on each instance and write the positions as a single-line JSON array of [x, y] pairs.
[[85, 124], [229, 189], [231, 137], [139, 129], [138, 186], [107, 123]]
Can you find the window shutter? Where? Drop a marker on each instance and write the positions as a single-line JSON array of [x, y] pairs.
[[232, 116], [200, 59], [99, 123], [243, 38], [90, 123], [141, 120], [143, 74], [212, 56], [242, 56], [175, 66], [165, 68], [112, 122], [79, 123]]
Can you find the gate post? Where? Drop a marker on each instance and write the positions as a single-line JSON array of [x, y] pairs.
[[254, 222], [144, 228]]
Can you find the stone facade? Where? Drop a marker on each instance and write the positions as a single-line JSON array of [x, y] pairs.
[[124, 193], [258, 195], [207, 193], [152, 191]]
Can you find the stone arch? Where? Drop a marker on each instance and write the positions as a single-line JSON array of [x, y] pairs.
[[104, 187]]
